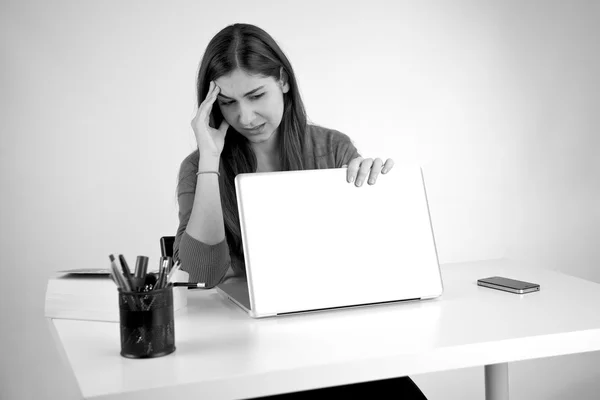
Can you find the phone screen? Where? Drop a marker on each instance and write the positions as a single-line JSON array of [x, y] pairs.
[[511, 283]]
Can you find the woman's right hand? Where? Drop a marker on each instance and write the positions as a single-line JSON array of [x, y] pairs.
[[210, 140]]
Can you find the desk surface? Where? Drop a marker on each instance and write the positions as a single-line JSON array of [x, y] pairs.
[[222, 353]]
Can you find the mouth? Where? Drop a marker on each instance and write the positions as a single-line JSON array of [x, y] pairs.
[[256, 129]]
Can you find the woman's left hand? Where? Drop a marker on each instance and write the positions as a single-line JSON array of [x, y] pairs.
[[360, 169]]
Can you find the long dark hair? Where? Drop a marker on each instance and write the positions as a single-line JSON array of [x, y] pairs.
[[254, 51]]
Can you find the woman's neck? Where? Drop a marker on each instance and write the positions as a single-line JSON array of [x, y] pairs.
[[268, 162], [268, 155]]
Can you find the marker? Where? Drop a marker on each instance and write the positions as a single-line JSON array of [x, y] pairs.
[[141, 267], [188, 284]]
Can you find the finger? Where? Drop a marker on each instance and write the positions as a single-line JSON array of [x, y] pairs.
[[211, 89], [216, 89], [353, 169], [200, 106], [375, 169], [389, 164], [200, 114], [363, 171], [206, 106], [207, 112], [212, 94]]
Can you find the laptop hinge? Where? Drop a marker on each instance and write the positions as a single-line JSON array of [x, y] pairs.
[[350, 306]]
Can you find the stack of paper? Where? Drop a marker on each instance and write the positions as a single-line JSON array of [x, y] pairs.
[[92, 295]]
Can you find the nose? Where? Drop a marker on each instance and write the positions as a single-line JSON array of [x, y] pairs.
[[246, 115]]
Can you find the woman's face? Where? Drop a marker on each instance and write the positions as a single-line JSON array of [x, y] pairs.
[[252, 104]]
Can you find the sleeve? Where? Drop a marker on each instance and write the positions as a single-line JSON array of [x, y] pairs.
[[345, 151], [204, 263]]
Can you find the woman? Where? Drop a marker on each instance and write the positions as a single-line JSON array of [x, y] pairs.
[[258, 125]]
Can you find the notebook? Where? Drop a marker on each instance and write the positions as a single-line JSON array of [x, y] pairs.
[[312, 242], [90, 294]]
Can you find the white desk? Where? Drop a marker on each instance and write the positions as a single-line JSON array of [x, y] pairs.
[[223, 354]]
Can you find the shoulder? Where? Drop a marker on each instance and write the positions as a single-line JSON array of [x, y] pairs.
[[326, 139], [331, 148]]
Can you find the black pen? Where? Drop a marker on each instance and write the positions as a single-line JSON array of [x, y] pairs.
[[188, 284], [126, 271]]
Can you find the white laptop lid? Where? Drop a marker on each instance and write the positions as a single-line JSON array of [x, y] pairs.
[[314, 241]]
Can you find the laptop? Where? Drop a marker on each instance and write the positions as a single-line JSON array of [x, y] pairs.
[[314, 242]]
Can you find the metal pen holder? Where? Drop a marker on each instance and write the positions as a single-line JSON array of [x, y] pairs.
[[147, 323]]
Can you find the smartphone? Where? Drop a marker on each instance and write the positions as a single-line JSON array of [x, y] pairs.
[[508, 285]]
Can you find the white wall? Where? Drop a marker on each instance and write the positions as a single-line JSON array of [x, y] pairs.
[[500, 101]]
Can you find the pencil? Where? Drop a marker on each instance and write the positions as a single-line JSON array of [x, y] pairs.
[[188, 284]]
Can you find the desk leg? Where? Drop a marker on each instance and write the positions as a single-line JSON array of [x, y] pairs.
[[496, 381]]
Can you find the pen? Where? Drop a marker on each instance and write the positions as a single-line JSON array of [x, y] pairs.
[[113, 277], [126, 271], [121, 283], [188, 284], [162, 276], [169, 266]]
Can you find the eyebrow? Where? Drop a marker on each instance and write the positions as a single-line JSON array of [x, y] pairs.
[[247, 94]]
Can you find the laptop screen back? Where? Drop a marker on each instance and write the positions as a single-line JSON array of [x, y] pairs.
[[314, 241]]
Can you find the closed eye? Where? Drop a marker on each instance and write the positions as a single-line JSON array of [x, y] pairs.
[[255, 97]]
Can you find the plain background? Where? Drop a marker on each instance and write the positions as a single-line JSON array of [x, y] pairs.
[[499, 100]]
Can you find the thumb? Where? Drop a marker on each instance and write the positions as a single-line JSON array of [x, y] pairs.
[[223, 127]]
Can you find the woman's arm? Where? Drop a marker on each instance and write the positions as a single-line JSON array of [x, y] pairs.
[[206, 220], [200, 242]]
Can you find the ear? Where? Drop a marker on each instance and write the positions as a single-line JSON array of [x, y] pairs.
[[284, 80]]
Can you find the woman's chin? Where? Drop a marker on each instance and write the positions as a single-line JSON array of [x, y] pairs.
[[260, 137]]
